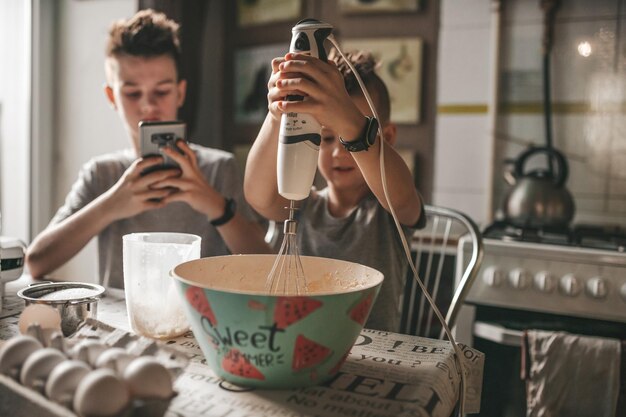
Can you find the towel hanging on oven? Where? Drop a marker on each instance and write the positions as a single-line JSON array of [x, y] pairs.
[[571, 375]]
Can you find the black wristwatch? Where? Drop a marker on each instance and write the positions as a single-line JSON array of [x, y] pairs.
[[229, 212], [366, 139]]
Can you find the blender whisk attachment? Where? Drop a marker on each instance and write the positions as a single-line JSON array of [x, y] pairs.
[[299, 142], [287, 274]]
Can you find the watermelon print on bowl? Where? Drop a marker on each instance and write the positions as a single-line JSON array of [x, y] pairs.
[[256, 339]]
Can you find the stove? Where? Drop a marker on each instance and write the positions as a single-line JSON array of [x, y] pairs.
[[563, 280], [611, 238], [579, 271]]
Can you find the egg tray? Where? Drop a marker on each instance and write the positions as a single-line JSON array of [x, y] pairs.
[[18, 400], [174, 360]]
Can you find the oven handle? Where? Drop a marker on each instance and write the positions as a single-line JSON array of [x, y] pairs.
[[498, 334]]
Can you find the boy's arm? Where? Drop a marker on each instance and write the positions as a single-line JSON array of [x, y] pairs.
[[240, 234], [260, 180], [132, 194], [402, 193], [58, 243]]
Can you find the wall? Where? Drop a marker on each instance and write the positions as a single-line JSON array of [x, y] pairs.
[[14, 118], [463, 134], [85, 125], [587, 93]]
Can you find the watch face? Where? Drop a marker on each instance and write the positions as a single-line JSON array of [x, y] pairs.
[[365, 140]]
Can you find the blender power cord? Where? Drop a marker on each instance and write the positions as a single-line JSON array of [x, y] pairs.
[[407, 251]]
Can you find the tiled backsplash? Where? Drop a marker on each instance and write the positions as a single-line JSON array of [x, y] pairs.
[[588, 93]]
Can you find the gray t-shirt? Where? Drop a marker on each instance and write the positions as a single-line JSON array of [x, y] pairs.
[[367, 236], [101, 173]]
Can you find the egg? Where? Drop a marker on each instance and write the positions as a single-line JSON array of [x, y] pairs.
[[64, 379], [147, 378], [45, 316], [14, 352], [115, 358], [101, 393], [38, 366], [88, 351]]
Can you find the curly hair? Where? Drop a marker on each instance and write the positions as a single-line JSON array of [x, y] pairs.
[[365, 65], [147, 34]]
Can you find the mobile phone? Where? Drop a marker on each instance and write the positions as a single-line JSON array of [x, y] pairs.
[[154, 136]]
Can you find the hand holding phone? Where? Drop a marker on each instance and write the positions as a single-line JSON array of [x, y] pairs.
[[154, 136]]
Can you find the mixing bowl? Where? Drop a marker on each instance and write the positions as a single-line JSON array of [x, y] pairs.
[[253, 338]]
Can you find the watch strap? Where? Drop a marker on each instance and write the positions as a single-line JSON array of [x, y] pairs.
[[365, 139], [230, 207]]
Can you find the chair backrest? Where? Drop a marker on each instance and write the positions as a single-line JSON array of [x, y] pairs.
[[435, 251]]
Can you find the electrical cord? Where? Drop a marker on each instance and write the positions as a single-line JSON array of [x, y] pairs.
[[407, 251]]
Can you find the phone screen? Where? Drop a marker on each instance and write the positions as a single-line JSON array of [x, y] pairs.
[[154, 136]]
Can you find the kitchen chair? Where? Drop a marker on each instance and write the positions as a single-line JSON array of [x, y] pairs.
[[434, 249]]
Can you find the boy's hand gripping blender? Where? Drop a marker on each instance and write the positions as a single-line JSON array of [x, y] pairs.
[[299, 139], [298, 148]]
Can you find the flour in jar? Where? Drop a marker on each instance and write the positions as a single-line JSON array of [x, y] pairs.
[[158, 315], [69, 294]]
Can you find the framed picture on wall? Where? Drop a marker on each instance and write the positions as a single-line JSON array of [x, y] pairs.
[[253, 67], [259, 12], [400, 67], [378, 6]]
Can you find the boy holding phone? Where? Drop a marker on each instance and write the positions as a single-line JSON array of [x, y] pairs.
[[114, 195]]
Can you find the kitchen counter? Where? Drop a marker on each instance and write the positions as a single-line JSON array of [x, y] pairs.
[[385, 374]]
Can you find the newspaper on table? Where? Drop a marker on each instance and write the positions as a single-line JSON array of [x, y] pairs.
[[385, 374]]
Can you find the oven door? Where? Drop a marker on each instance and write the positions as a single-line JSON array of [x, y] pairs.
[[498, 333]]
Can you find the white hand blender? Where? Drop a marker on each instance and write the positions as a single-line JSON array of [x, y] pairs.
[[298, 148]]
